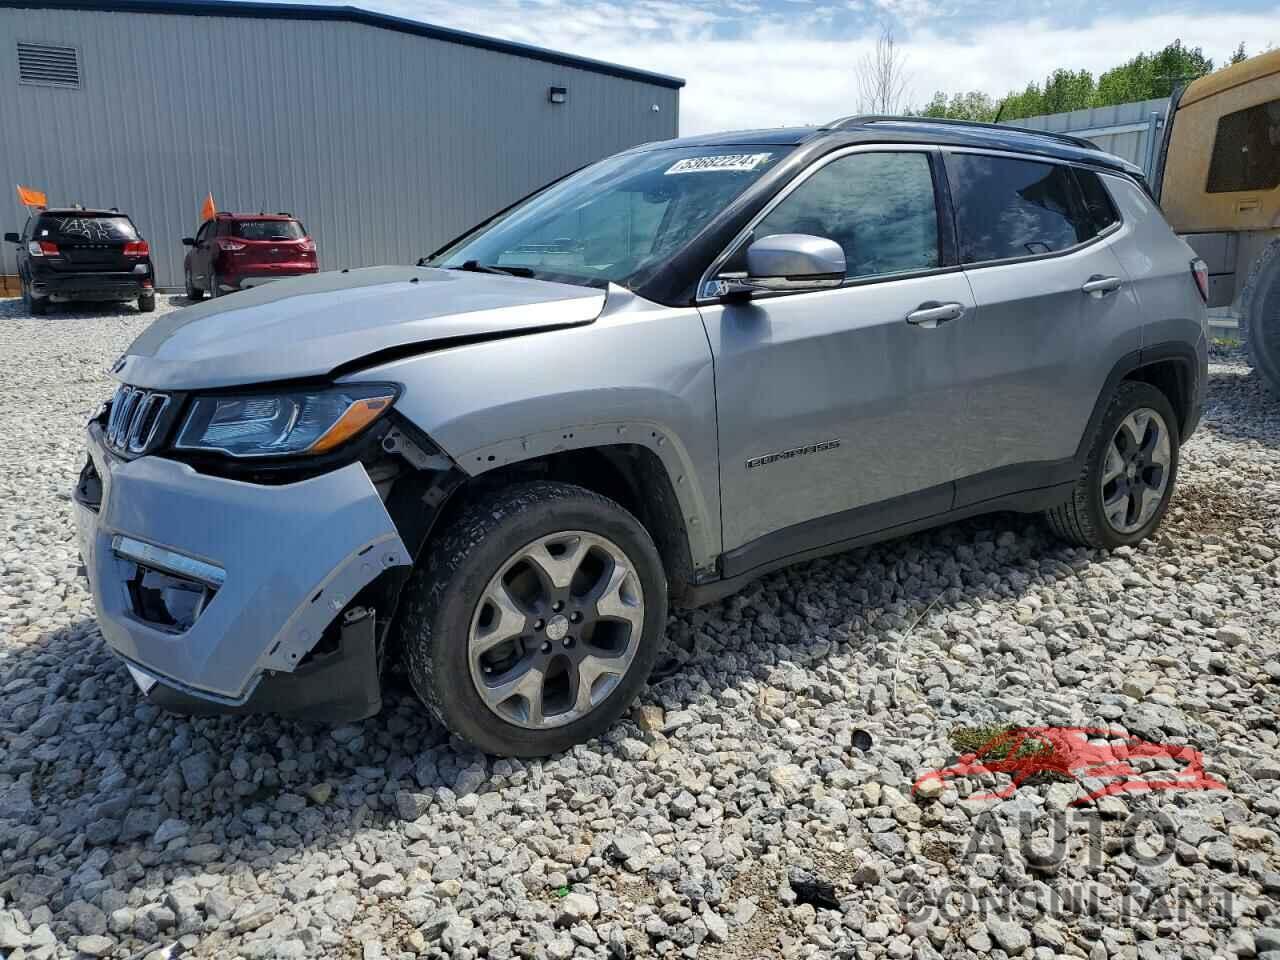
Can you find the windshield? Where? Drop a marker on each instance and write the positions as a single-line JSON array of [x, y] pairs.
[[267, 229], [616, 218]]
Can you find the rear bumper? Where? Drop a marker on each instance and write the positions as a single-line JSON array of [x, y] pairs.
[[89, 286], [272, 567], [229, 283]]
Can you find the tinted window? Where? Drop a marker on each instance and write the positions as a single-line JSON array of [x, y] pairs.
[[1014, 208], [1246, 151], [267, 229], [878, 206], [83, 228], [1097, 202]]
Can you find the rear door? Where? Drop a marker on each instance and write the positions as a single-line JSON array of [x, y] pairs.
[[836, 408], [1054, 313]]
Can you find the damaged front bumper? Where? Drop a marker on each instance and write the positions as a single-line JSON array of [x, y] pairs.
[[226, 596]]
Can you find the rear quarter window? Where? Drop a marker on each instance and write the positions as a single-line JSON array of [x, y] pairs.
[[1008, 208], [79, 228]]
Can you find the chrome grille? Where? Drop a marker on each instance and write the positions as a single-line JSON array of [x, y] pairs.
[[134, 419]]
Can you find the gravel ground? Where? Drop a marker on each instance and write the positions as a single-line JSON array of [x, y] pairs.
[[757, 803]]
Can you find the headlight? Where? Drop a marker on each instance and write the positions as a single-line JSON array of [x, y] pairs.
[[277, 424]]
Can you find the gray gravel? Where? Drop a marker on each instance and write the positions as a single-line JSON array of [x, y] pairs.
[[733, 815]]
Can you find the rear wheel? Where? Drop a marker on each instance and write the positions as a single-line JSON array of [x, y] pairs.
[[536, 619], [1128, 479], [147, 303], [36, 306], [1260, 316], [193, 292], [213, 284]]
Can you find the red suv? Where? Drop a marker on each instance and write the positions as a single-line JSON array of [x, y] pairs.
[[235, 251]]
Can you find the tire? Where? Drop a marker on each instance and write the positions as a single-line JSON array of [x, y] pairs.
[[147, 303], [213, 284], [448, 606], [1084, 519], [36, 306], [193, 294], [1260, 316]]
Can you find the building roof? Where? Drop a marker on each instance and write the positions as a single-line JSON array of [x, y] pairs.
[[1263, 65], [304, 11], [957, 133]]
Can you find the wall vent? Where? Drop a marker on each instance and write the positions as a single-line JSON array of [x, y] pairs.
[[48, 65]]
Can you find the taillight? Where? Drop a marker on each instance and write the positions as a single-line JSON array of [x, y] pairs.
[[307, 245], [1200, 270], [230, 246], [42, 248], [137, 248]]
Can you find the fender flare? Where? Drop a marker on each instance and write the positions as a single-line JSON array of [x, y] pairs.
[[1182, 353], [665, 445]]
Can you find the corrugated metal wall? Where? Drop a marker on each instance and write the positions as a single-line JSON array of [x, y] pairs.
[[384, 144], [1125, 129]]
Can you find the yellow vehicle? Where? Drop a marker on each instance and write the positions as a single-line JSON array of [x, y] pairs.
[[1218, 181]]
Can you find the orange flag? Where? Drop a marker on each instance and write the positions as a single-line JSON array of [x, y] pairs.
[[208, 210], [32, 198]]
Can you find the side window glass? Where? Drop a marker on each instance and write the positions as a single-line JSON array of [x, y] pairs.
[[878, 206], [1246, 150], [1097, 202], [1014, 208]]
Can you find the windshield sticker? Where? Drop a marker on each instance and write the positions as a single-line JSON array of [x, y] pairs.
[[728, 161]]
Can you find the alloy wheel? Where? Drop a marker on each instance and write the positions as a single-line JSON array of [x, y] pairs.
[[1135, 473], [556, 629]]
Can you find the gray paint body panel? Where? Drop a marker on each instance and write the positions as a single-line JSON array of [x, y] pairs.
[[308, 326], [294, 555], [385, 144], [641, 373], [843, 364]]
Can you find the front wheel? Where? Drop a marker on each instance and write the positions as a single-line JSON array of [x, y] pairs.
[[536, 619], [1129, 476]]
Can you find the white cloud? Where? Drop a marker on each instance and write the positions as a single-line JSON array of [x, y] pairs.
[[751, 67]]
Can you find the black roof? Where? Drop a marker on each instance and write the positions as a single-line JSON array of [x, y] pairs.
[[82, 212], [304, 11], [956, 133]]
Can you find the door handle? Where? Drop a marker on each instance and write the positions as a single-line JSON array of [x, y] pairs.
[[1099, 286], [929, 315]]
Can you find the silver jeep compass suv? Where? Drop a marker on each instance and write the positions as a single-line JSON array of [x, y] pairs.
[[646, 384]]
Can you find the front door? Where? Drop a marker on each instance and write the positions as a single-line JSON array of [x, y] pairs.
[[836, 408]]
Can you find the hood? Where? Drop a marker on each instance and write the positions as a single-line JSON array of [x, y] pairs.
[[308, 326]]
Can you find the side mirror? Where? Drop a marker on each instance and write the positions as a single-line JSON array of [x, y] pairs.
[[787, 262], [188, 241], [12, 238]]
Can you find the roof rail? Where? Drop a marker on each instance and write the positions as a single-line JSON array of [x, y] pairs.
[[858, 120]]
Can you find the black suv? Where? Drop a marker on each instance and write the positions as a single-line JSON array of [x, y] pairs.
[[75, 254]]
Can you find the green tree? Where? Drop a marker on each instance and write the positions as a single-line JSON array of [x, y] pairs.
[[1239, 55], [1151, 75], [1068, 90], [974, 105]]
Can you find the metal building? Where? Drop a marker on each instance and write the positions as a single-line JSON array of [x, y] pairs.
[[386, 137]]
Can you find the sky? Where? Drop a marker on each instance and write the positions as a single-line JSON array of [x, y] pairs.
[[768, 63]]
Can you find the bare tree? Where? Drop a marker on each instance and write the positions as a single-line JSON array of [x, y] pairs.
[[882, 77]]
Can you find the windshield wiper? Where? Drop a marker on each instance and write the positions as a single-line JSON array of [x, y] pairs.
[[475, 266]]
